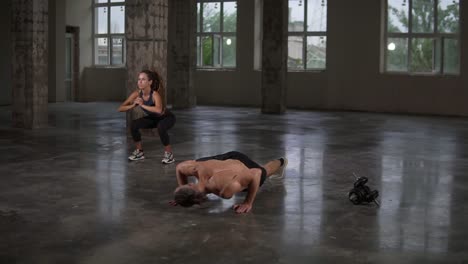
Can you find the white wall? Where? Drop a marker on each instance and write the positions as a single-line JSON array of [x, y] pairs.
[[79, 13], [96, 84], [352, 80]]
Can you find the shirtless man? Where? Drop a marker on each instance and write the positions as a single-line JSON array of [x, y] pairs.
[[224, 175]]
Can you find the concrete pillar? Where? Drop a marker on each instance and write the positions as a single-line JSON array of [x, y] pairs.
[[274, 56], [29, 30], [146, 37], [5, 54], [182, 52]]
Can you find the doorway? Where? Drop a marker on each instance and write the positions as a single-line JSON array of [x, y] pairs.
[[72, 63]]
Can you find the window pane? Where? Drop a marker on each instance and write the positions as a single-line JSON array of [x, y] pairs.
[[448, 16], [316, 15], [229, 51], [451, 56], [398, 11], [316, 52], [198, 17], [211, 17], [296, 15], [117, 1], [102, 51], [198, 51], [216, 50], [295, 48], [397, 54], [422, 54], [207, 51], [118, 19], [100, 1], [230, 17], [100, 22], [423, 16], [117, 51]]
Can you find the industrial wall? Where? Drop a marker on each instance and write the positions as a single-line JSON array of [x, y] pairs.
[[352, 80]]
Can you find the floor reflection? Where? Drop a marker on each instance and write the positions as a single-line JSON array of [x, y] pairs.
[[303, 202], [416, 193], [110, 178]]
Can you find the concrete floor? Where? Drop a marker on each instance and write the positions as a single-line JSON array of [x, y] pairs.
[[69, 195]]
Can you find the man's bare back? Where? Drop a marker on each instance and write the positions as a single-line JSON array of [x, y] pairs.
[[224, 175], [221, 177]]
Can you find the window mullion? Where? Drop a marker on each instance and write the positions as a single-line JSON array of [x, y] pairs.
[[109, 38], [200, 47], [410, 32], [435, 39], [221, 18], [212, 51], [304, 41], [385, 46]]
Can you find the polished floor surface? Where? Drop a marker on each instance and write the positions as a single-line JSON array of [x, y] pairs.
[[68, 194]]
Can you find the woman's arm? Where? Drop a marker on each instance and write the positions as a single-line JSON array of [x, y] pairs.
[[158, 107], [129, 103]]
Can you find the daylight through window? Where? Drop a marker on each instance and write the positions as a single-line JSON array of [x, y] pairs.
[[422, 36], [216, 34], [307, 34], [109, 32]]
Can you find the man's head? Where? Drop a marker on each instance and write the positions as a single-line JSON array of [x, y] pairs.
[[188, 195]]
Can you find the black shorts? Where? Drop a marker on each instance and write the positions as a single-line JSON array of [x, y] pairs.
[[235, 155]]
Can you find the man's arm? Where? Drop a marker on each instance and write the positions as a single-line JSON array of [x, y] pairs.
[[181, 176], [253, 187]]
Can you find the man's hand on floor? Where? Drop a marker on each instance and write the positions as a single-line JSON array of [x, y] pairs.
[[242, 208]]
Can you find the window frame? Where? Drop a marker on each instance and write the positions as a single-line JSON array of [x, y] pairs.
[[110, 36], [200, 34], [438, 37], [305, 34]]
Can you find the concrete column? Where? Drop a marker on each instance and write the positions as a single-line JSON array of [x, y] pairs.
[[146, 37], [182, 52], [5, 54], [29, 30], [274, 56]]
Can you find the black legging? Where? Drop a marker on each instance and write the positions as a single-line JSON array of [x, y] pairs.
[[163, 123]]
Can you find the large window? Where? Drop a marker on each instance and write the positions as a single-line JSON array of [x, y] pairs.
[[216, 33], [109, 32], [307, 34], [422, 36]]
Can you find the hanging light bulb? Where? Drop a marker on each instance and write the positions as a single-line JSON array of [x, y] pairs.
[[404, 3], [216, 6], [104, 10], [323, 3], [300, 3], [121, 8]]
